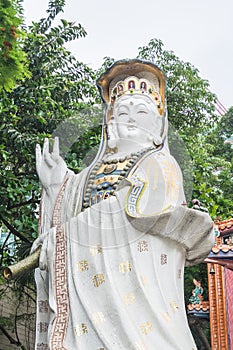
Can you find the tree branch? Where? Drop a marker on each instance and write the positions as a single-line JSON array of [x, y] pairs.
[[177, 84], [10, 338], [3, 247], [197, 326], [29, 296], [14, 231], [22, 204]]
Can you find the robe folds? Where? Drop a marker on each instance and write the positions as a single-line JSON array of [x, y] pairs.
[[111, 276]]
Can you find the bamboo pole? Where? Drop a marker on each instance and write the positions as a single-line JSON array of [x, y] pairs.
[[29, 263]]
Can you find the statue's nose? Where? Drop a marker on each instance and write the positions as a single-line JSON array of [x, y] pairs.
[[131, 118]]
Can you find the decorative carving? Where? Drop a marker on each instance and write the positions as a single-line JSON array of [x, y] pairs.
[[196, 297]]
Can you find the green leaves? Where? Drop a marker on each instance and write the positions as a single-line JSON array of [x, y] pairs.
[[33, 110], [212, 173], [13, 62], [190, 103]]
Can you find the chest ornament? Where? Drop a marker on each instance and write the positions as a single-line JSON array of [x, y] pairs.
[[107, 174]]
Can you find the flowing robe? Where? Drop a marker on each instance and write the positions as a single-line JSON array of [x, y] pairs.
[[111, 277]]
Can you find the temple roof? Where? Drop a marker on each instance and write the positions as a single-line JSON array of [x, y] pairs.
[[204, 306], [225, 227], [199, 310], [223, 248]]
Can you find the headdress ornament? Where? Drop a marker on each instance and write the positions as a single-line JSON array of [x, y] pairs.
[[129, 77]]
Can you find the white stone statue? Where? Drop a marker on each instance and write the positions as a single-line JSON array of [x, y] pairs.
[[115, 238]]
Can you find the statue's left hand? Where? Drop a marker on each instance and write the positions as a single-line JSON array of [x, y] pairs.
[[51, 168]]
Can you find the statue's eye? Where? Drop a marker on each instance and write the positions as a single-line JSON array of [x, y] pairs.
[[142, 111], [121, 114]]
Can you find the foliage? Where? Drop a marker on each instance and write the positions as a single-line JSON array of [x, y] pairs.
[[33, 110], [17, 308], [54, 92], [212, 167], [198, 272], [13, 62], [212, 173], [190, 103], [223, 131]]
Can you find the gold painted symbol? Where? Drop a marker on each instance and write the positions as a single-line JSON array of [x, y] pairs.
[[98, 280], [96, 250], [129, 299], [146, 327], [98, 317], [174, 306], [166, 316], [82, 265], [140, 346], [81, 329], [125, 266]]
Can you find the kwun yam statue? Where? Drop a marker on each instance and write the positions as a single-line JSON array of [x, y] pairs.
[[115, 238]]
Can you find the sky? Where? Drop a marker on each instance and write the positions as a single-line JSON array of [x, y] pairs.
[[197, 31]]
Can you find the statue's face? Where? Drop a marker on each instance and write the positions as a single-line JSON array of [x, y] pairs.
[[137, 118]]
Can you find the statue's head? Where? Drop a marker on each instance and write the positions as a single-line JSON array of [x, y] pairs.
[[134, 94]]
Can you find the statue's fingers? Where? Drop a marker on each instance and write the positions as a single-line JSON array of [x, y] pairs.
[[48, 160], [45, 147], [56, 154], [38, 156], [46, 155], [43, 259]]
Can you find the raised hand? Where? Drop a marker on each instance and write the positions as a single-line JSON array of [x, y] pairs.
[[51, 168]]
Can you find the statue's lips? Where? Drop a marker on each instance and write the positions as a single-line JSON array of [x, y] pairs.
[[131, 127]]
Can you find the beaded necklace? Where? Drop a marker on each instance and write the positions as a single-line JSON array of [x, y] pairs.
[[107, 174]]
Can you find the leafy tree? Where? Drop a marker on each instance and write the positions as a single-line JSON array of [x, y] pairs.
[[13, 63], [212, 174], [212, 185], [191, 106], [222, 132], [34, 109]]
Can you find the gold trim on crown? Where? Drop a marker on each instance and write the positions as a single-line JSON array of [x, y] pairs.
[[137, 71], [132, 85]]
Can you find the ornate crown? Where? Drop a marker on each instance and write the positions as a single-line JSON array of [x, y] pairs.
[[133, 85], [128, 77]]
